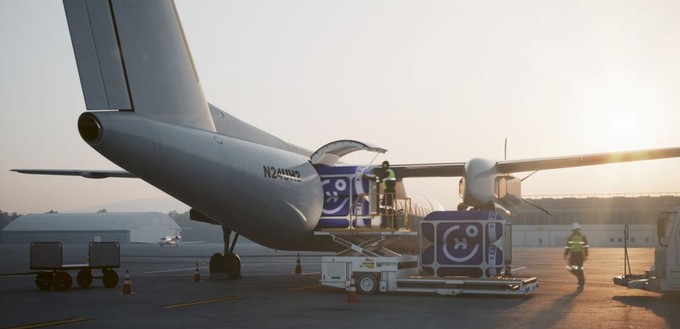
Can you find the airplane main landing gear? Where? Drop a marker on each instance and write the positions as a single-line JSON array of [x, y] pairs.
[[228, 263]]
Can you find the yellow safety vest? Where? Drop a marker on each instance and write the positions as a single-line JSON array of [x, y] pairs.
[[389, 177], [576, 243]]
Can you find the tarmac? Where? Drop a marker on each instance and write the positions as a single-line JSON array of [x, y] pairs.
[[270, 295]]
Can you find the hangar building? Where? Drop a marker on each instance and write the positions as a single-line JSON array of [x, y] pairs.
[[603, 218], [84, 228]]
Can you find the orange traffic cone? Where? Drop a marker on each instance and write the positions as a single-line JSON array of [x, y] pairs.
[[352, 291], [127, 288], [197, 275], [298, 267]]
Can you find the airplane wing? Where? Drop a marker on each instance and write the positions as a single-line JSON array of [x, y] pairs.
[[83, 173], [585, 160], [457, 169], [452, 169]]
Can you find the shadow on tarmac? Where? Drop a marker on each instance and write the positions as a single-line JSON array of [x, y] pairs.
[[665, 306]]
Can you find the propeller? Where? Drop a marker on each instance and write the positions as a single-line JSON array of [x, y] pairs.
[[537, 207], [529, 175], [505, 149], [505, 156]]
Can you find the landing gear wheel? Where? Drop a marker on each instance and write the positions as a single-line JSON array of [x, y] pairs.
[[216, 262], [233, 266], [367, 284], [230, 264], [84, 277], [110, 278], [62, 281], [44, 280]]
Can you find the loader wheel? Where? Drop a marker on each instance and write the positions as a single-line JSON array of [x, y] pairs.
[[44, 280], [110, 278], [62, 281], [84, 278], [367, 284]]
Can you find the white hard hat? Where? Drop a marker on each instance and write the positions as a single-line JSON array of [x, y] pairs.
[[575, 226]]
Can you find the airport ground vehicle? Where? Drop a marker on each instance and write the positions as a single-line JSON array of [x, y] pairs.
[[466, 252], [664, 276], [47, 258]]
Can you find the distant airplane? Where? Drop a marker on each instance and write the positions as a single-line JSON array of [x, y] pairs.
[[174, 240], [147, 113], [170, 240]]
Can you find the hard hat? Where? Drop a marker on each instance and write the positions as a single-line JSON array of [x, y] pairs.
[[575, 226]]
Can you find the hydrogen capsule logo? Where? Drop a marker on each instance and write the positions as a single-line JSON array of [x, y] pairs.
[[461, 244], [336, 200]]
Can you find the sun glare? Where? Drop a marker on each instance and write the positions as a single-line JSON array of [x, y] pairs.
[[621, 131]]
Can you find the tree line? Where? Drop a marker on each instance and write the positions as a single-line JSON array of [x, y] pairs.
[[6, 218]]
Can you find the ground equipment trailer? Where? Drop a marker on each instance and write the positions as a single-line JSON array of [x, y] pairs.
[[46, 257], [460, 252], [664, 276]]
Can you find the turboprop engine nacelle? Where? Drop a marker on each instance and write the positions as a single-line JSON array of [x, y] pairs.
[[482, 186]]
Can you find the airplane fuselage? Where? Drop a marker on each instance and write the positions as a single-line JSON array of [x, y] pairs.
[[272, 196]]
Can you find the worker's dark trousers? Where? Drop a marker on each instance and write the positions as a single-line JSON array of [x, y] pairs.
[[389, 219], [576, 262]]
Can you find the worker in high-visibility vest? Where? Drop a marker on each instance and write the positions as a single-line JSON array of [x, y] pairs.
[[577, 250], [389, 181]]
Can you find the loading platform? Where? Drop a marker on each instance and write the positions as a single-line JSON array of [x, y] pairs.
[[375, 267]]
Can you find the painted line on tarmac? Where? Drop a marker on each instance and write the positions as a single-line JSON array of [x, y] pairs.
[[303, 288], [280, 274], [205, 301], [50, 323], [175, 270]]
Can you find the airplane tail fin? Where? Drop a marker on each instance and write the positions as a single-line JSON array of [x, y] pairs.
[[133, 55]]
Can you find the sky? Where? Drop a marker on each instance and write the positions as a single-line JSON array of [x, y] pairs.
[[431, 81]]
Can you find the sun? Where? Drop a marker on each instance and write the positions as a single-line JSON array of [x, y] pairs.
[[621, 131]]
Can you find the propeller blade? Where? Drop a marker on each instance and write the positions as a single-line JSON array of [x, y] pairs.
[[537, 206], [505, 150], [535, 171]]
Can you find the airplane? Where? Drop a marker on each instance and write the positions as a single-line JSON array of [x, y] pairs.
[[176, 240], [170, 240], [146, 112]]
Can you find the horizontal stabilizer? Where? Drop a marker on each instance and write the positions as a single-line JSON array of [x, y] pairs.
[[83, 173]]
